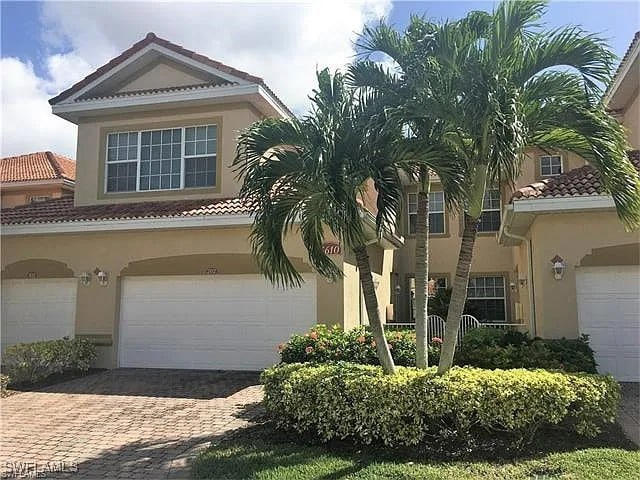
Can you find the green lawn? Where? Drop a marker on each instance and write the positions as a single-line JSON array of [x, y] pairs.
[[263, 454]]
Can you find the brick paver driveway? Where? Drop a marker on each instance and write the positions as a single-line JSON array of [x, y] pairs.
[[125, 423]]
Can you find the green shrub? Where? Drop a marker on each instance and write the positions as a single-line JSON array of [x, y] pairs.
[[417, 407], [330, 344], [29, 363], [493, 348], [4, 382]]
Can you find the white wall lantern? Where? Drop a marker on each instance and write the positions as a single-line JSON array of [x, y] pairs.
[[85, 278], [558, 266], [103, 277]]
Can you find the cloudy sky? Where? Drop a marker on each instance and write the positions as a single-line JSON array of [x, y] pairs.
[[48, 46]]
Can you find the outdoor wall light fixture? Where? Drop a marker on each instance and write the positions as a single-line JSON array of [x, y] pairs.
[[522, 282], [513, 286], [558, 266], [103, 277], [85, 278]]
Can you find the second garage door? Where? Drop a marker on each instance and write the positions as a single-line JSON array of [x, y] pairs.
[[226, 322], [609, 312]]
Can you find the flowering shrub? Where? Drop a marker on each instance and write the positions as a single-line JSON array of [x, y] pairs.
[[329, 344], [33, 362], [358, 402]]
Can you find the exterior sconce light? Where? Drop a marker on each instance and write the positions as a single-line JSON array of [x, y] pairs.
[[103, 277], [558, 267], [522, 282], [85, 278], [513, 286], [432, 288]]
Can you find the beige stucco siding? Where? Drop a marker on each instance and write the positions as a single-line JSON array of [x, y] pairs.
[[90, 170], [12, 198], [571, 236], [631, 121], [170, 252], [163, 74], [530, 171]]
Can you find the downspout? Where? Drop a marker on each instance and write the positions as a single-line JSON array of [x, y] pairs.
[[532, 303]]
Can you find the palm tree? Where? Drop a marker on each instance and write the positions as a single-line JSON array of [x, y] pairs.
[[402, 92], [509, 85], [306, 175]]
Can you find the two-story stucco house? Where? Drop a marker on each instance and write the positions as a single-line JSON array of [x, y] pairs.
[[151, 258], [35, 177], [557, 216]]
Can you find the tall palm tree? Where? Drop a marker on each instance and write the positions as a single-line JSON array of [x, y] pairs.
[[510, 85], [306, 175], [402, 92]]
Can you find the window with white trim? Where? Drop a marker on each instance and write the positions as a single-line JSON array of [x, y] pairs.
[[436, 213], [167, 159], [40, 198], [550, 165], [486, 299], [490, 217]]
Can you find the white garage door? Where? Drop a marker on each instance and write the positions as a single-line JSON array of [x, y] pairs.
[[226, 322], [609, 312], [38, 309]]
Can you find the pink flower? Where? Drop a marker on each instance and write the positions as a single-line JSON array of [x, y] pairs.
[[281, 347], [390, 345], [373, 344], [313, 334], [308, 350], [360, 339], [436, 340]]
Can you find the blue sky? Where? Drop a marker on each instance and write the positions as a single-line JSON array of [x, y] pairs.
[[48, 46]]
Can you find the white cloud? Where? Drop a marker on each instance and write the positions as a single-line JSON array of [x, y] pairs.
[[282, 42], [27, 122]]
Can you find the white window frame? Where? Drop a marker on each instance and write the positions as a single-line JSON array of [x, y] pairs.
[[499, 209], [412, 201], [541, 158], [503, 298], [39, 198], [139, 157]]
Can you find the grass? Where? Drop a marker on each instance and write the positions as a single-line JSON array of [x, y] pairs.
[[264, 454]]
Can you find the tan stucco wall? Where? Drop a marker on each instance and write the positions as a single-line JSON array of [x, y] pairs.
[[573, 237], [530, 171], [230, 119], [162, 75], [187, 252], [12, 198], [631, 121]]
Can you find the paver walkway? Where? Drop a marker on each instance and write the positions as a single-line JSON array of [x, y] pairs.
[[125, 423], [629, 414]]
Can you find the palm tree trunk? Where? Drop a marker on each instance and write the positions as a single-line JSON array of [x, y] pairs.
[[422, 271], [373, 312], [459, 293]]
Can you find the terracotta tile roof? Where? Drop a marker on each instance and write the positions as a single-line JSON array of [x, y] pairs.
[[62, 210], [151, 91], [37, 166], [577, 182], [152, 38], [636, 39]]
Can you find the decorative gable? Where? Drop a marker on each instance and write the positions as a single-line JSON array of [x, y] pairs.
[[157, 72]]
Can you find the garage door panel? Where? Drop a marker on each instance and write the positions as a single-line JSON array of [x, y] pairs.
[[609, 312], [37, 309], [209, 322]]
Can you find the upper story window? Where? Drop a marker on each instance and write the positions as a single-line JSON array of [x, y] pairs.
[[490, 216], [166, 159], [550, 165], [436, 212]]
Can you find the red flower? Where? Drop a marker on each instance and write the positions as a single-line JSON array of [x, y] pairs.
[[436, 340], [308, 350], [360, 339]]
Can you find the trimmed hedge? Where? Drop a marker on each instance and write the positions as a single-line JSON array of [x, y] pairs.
[[493, 348], [28, 363], [359, 402], [330, 344]]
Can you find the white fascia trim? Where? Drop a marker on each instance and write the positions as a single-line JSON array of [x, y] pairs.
[[165, 51], [275, 104], [127, 225], [157, 98], [622, 74], [587, 202]]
